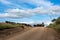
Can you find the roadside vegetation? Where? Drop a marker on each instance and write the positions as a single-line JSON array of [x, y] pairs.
[[55, 24], [10, 25], [8, 28], [39, 25]]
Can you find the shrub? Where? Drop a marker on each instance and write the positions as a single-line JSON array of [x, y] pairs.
[[55, 25], [8, 26]]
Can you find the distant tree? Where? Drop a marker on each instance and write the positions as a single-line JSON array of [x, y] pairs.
[[43, 24], [39, 25], [10, 22], [53, 20], [27, 25], [34, 25], [58, 21], [7, 22]]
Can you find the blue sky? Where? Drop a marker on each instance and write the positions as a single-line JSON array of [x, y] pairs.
[[29, 11]]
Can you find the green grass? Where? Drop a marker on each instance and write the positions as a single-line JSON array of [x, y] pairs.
[[9, 26]]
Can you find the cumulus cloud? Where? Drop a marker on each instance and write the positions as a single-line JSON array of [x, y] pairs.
[[43, 7], [22, 13], [16, 13], [51, 10]]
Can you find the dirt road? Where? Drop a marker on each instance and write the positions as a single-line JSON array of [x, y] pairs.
[[37, 33]]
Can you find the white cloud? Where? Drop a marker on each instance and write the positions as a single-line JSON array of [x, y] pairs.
[[38, 3], [41, 2], [16, 13], [30, 22], [22, 13], [5, 2], [43, 7], [47, 22], [11, 4], [51, 10]]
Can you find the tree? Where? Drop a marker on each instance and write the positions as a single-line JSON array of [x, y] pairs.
[[58, 21], [43, 24], [7, 22], [39, 25], [56, 24], [53, 20], [10, 22]]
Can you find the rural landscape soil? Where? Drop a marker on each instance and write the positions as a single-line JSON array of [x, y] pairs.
[[36, 33]]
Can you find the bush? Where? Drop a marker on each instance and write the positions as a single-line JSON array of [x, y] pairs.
[[55, 25], [5, 26], [8, 26]]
